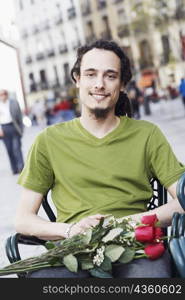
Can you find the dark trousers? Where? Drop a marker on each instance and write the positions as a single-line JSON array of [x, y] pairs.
[[138, 268], [12, 141]]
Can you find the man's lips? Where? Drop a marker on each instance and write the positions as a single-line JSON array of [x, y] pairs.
[[99, 96]]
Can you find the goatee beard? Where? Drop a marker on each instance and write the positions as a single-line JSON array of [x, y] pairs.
[[100, 113]]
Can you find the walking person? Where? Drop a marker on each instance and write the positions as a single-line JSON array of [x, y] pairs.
[[11, 130], [182, 90], [100, 163], [135, 97]]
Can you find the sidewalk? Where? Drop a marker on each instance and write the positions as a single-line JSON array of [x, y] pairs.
[[168, 115]]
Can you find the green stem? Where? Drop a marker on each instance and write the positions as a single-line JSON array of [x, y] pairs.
[[140, 256]]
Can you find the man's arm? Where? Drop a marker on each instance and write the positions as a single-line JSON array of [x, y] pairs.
[[29, 223], [164, 212]]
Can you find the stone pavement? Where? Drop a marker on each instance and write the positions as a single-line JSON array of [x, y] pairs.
[[168, 115]]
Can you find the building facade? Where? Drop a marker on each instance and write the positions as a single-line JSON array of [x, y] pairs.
[[152, 33], [50, 33]]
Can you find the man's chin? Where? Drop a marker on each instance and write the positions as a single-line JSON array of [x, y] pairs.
[[100, 113]]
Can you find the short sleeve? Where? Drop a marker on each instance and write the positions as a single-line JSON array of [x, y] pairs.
[[162, 161], [37, 173]]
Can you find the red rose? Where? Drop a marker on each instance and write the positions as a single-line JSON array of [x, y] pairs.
[[144, 234], [158, 232], [149, 220], [155, 250]]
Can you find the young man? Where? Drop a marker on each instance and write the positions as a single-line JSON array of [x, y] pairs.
[[100, 163], [11, 130]]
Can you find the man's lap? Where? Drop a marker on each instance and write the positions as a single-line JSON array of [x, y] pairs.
[[140, 268]]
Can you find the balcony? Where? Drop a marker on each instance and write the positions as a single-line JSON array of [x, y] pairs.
[[33, 87], [58, 19], [123, 31], [43, 85], [106, 34], [90, 38], [35, 30], [145, 64], [180, 13], [101, 4], [40, 56], [86, 10], [71, 13], [63, 49], [76, 44], [117, 1], [28, 59], [46, 25], [24, 34], [50, 52]]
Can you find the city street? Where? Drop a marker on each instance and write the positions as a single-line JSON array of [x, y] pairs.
[[168, 115]]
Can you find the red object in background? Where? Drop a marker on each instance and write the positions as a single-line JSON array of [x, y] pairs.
[[154, 251], [63, 105]]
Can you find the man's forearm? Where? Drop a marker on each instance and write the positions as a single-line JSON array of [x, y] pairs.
[[33, 225], [164, 212]]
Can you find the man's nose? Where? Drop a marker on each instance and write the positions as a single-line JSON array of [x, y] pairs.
[[99, 84]]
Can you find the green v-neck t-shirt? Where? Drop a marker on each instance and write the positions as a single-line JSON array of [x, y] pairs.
[[89, 175]]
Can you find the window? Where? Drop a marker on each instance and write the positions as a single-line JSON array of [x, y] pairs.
[[67, 79], [43, 79], [20, 4], [166, 49]]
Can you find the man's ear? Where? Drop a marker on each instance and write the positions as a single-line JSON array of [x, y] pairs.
[[122, 88], [77, 79]]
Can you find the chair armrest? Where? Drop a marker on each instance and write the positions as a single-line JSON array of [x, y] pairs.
[[12, 250], [181, 190], [177, 253]]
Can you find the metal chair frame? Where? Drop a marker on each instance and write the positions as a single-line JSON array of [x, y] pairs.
[[159, 198]]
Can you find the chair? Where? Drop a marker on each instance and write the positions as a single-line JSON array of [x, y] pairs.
[[12, 251], [177, 243]]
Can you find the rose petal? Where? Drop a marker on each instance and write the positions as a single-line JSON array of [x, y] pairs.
[[149, 220], [155, 250], [158, 232], [144, 234]]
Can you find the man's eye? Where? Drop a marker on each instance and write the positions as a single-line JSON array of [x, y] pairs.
[[111, 76], [90, 74]]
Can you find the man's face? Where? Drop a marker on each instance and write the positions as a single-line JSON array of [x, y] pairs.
[[99, 82], [3, 95]]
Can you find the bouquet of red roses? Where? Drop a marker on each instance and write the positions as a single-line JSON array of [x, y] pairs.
[[111, 241]]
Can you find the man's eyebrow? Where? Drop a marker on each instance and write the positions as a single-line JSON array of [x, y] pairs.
[[90, 69], [112, 71], [106, 71]]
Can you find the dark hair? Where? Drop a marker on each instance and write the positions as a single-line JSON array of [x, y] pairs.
[[123, 106]]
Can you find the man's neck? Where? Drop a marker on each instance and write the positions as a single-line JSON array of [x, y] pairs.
[[99, 127]]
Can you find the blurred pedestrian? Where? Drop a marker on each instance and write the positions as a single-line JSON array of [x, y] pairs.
[[11, 130], [38, 112], [135, 96], [182, 90]]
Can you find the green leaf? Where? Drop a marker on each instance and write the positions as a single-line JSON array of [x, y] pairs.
[[55, 261], [127, 256], [87, 236], [114, 252], [70, 262], [98, 272], [106, 265], [112, 234], [87, 264], [49, 245]]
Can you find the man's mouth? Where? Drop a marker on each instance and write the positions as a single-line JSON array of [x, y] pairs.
[[99, 96]]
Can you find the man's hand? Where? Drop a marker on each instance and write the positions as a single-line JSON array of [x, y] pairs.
[[1, 132], [85, 223]]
